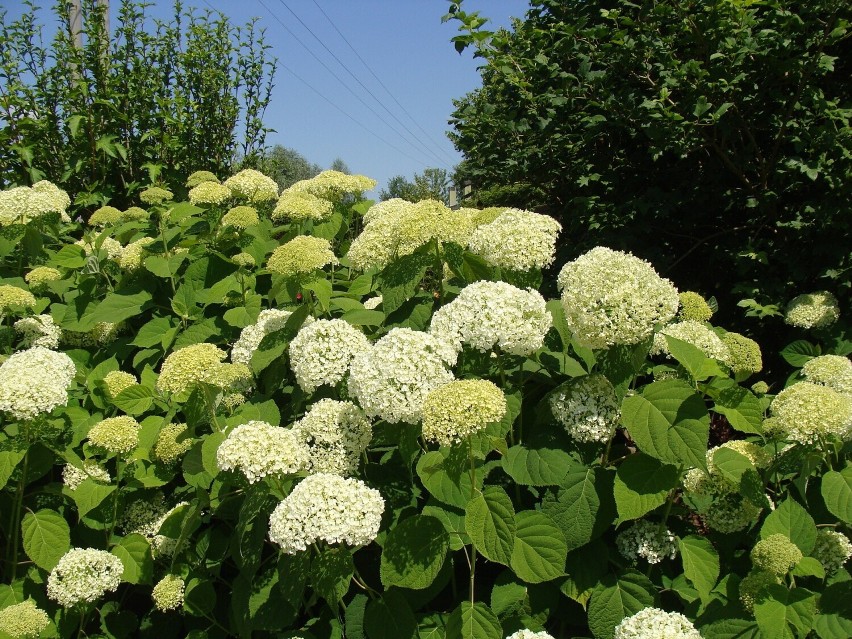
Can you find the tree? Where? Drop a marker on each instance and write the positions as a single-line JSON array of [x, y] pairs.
[[287, 166], [149, 102], [712, 138], [340, 165], [432, 184]]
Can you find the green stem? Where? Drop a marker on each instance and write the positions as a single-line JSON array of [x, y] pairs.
[[439, 271], [119, 471], [472, 546], [14, 528]]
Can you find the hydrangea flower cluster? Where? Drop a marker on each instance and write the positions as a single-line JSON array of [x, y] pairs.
[[753, 587], [209, 193], [246, 260], [23, 204], [132, 255], [587, 407], [695, 333], [610, 297], [328, 508], [337, 433], [118, 435], [38, 330], [41, 276], [373, 302], [722, 506], [134, 213], [805, 412], [156, 195], [105, 216], [529, 634], [259, 449], [745, 357], [775, 554], [35, 381], [12, 297], [322, 351], [197, 363], [393, 378], [84, 575], [72, 476], [834, 371], [117, 381], [647, 540], [832, 549], [654, 623], [812, 310], [23, 620], [333, 185], [253, 186], [461, 408], [198, 177], [241, 217], [172, 443], [301, 205], [693, 307], [302, 255], [145, 517], [168, 593], [517, 240], [392, 206], [269, 321], [489, 315], [108, 245]]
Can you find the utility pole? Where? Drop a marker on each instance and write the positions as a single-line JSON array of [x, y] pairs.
[[75, 21]]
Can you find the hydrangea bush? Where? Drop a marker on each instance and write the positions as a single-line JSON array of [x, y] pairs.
[[299, 414]]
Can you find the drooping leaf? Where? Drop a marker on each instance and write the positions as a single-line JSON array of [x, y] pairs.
[[473, 621], [836, 491], [700, 563], [390, 617], [414, 553], [616, 599], [539, 548], [135, 554], [792, 520], [641, 485], [490, 522], [537, 466], [46, 537]]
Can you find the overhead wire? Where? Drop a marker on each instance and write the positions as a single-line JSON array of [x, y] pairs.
[[361, 84], [379, 80]]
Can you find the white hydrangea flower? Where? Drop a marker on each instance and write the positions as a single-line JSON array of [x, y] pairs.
[[587, 407], [489, 315], [834, 371], [517, 240], [806, 412], [328, 508], [23, 620], [23, 204], [654, 623], [35, 381], [111, 246], [392, 379], [392, 206], [252, 185], [72, 476], [611, 297], [529, 634], [258, 449], [832, 550], [321, 352], [813, 310], [269, 321], [461, 408], [373, 302], [696, 334], [39, 330], [168, 593], [145, 517], [648, 541], [336, 434], [84, 575]]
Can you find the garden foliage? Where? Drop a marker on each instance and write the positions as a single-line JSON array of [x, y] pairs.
[[214, 425]]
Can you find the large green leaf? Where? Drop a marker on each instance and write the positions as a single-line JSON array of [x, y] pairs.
[[731, 629], [837, 492], [742, 408], [473, 621], [135, 399], [490, 523], [135, 554], [799, 352], [537, 466], [693, 359], [586, 567], [641, 485], [9, 459], [89, 495], [668, 420], [700, 563], [731, 464], [792, 520], [834, 620], [119, 306], [584, 506], [445, 474], [390, 617], [616, 599], [398, 281], [539, 551], [783, 611], [46, 537], [414, 552], [331, 573]]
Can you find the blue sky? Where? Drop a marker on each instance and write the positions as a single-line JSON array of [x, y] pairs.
[[405, 45]]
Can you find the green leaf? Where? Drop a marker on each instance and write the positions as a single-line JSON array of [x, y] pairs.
[[800, 352], [46, 537], [9, 460], [742, 408], [641, 485], [808, 567], [693, 359], [834, 620], [669, 421], [390, 617], [453, 520], [245, 314], [538, 466], [414, 553], [584, 506], [837, 492], [700, 563], [398, 281], [119, 306], [151, 334], [69, 256], [586, 567], [331, 573], [473, 621], [200, 597], [135, 399], [354, 617], [208, 452], [135, 554], [792, 520], [731, 629], [490, 522], [364, 317], [782, 609], [731, 464], [539, 551], [445, 475], [89, 495], [615, 599]]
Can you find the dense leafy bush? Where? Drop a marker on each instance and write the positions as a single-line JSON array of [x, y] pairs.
[[214, 425]]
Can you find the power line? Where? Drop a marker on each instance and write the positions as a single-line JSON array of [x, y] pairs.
[[379, 80], [361, 84]]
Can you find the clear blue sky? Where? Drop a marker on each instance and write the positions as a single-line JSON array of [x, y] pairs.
[[405, 45]]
